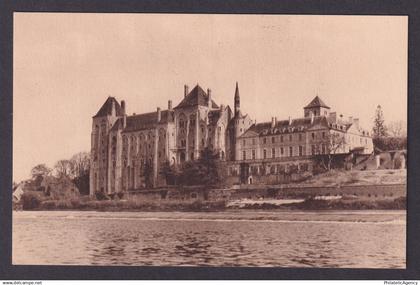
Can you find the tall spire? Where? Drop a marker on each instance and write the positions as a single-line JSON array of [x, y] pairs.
[[237, 100]]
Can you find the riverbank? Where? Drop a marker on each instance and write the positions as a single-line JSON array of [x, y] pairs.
[[36, 203], [335, 190], [344, 203], [134, 204]]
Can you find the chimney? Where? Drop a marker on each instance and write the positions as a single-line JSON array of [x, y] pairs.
[[290, 120], [209, 96], [222, 107], [185, 90], [333, 116], [312, 118], [273, 122], [158, 114], [356, 122], [170, 105], [123, 106], [350, 119]]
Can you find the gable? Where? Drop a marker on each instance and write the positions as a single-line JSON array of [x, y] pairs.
[[106, 109], [197, 97]]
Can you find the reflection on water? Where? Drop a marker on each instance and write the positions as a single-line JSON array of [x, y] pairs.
[[365, 239]]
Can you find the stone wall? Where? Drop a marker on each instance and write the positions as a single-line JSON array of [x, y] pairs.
[[396, 190], [262, 192]]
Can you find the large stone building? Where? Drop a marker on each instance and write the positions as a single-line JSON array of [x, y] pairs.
[[128, 152]]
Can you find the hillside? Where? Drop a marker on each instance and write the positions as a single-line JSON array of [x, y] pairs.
[[355, 177]]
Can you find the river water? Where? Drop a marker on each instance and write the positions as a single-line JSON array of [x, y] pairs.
[[344, 239]]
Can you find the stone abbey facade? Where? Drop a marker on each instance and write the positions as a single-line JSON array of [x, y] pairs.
[[124, 148]]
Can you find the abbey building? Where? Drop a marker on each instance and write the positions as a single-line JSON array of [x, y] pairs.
[[129, 152]]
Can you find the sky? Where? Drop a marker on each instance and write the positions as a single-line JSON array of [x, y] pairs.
[[67, 64]]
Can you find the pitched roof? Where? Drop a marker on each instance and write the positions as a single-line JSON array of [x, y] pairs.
[[106, 108], [316, 102], [117, 125], [283, 126], [147, 120], [214, 116], [197, 97]]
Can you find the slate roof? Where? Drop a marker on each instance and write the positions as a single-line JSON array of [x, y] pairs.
[[214, 116], [283, 126], [197, 97], [147, 120], [316, 102], [106, 108], [118, 125]]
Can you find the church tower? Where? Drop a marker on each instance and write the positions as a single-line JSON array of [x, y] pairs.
[[239, 125], [237, 102], [102, 122]]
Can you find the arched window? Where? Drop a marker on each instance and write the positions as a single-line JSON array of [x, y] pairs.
[[114, 145]]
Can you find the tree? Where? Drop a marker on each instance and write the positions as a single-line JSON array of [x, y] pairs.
[[212, 165], [332, 144], [170, 172], [397, 129], [80, 164], [207, 170], [390, 143], [63, 168], [79, 171], [40, 170], [379, 128]]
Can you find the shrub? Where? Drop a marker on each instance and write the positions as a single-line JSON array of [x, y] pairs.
[[48, 205], [75, 203], [390, 143], [30, 201], [101, 196], [272, 192], [64, 204]]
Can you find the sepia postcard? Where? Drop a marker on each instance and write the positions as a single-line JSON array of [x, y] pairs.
[[215, 140]]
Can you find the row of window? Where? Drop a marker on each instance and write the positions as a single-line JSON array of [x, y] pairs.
[[354, 140], [272, 153], [270, 169], [282, 138], [219, 129], [290, 151]]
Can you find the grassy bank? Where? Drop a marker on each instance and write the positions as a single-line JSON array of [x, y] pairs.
[[34, 201], [336, 204], [356, 177]]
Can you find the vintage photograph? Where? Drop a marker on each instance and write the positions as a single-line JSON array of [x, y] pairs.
[[209, 140]]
